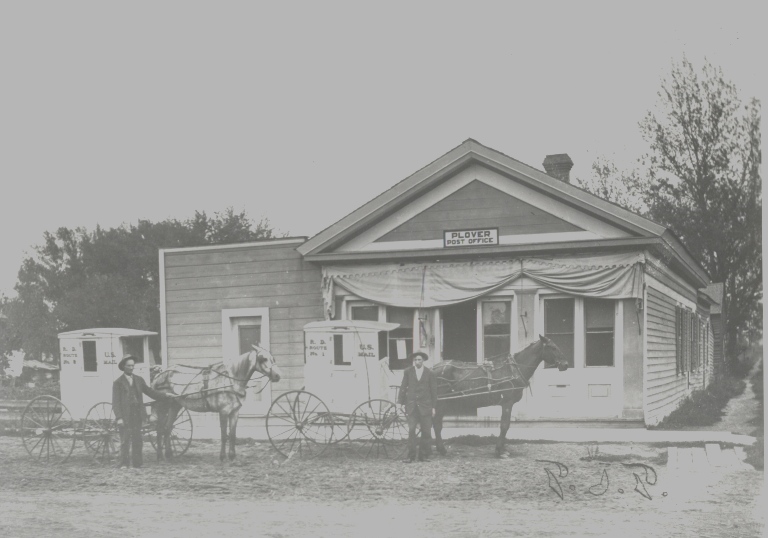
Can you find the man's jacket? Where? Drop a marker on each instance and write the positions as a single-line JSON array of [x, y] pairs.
[[125, 396], [415, 392]]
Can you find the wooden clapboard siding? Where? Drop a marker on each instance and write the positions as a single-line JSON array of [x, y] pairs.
[[199, 284], [214, 256], [665, 388], [220, 269], [216, 305], [234, 281], [191, 329], [214, 317], [478, 205], [671, 280], [234, 292]]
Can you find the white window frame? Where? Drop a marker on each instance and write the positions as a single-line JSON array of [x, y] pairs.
[[513, 327], [579, 328], [230, 345]]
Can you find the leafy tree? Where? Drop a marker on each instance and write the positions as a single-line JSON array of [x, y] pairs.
[[705, 182], [620, 187], [105, 278]]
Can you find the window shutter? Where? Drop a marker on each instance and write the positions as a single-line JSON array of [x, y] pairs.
[[678, 339]]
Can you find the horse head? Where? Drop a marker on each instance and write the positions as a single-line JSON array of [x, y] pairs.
[[552, 354], [264, 363]]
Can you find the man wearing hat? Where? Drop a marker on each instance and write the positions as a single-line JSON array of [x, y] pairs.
[[418, 392], [128, 405]]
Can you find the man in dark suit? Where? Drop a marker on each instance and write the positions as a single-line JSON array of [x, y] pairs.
[[418, 392], [128, 405]]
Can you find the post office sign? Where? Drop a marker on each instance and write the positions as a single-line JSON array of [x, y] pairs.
[[471, 238]]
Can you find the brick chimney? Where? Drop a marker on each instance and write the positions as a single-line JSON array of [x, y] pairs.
[[558, 166]]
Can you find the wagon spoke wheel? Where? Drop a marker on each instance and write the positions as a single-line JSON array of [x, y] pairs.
[[47, 430], [376, 429], [181, 433], [299, 423], [100, 433]]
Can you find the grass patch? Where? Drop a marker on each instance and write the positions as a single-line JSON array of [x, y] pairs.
[[704, 407]]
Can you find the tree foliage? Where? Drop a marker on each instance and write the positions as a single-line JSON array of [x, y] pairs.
[[705, 182], [702, 180], [105, 278], [623, 188]]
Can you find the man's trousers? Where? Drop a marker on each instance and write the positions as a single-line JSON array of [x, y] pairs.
[[130, 437], [423, 420]]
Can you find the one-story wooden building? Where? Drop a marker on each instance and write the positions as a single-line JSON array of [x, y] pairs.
[[474, 255]]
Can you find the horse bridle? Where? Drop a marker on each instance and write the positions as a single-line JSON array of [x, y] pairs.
[[271, 360]]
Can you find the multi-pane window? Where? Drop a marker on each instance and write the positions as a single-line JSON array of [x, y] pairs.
[[599, 325], [496, 328], [559, 325], [401, 339], [90, 364]]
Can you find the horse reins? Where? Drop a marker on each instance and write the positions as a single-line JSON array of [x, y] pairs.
[[206, 373]]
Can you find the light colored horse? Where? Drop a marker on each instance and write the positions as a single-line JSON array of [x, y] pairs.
[[218, 388]]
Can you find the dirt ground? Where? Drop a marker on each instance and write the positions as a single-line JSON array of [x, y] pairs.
[[546, 489]]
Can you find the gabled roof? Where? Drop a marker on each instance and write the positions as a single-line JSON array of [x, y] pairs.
[[715, 291], [641, 231]]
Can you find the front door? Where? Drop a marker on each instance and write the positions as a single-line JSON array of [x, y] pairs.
[[460, 332], [459, 336]]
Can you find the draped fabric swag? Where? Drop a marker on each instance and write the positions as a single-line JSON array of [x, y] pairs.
[[430, 285]]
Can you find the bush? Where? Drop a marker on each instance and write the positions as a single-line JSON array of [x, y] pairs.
[[12, 389], [756, 452], [757, 385], [704, 407]]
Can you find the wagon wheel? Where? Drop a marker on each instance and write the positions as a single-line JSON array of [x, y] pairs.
[[181, 432], [100, 433], [47, 430], [376, 428], [298, 422]]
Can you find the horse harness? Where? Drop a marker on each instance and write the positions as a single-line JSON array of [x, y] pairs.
[[490, 382], [206, 374]]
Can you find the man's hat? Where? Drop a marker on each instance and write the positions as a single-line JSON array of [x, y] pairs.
[[418, 354], [125, 359]]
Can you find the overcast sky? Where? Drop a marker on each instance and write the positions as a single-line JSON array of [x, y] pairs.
[[301, 112]]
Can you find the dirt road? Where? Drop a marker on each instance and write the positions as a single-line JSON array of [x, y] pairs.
[[557, 489]]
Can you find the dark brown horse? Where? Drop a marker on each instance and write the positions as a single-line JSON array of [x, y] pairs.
[[498, 382], [219, 388]]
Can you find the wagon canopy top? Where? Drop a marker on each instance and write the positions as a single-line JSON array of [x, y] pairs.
[[350, 326], [103, 332]]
